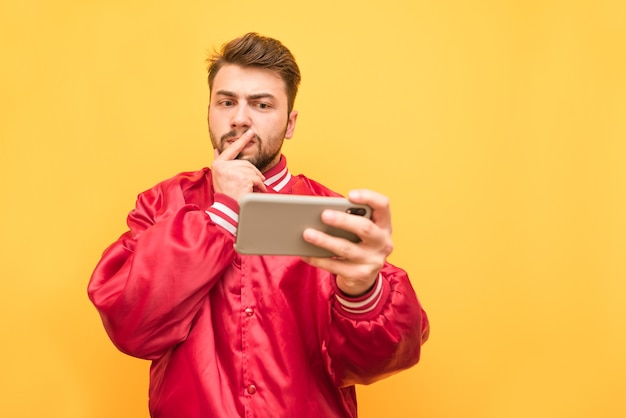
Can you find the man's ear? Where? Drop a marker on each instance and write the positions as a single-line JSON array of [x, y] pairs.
[[291, 124]]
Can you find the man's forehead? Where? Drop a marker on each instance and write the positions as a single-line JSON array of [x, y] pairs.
[[238, 80]]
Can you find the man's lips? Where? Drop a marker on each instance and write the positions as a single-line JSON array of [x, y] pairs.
[[230, 141], [249, 144], [233, 136]]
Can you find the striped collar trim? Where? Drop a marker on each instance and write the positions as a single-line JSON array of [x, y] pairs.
[[278, 176]]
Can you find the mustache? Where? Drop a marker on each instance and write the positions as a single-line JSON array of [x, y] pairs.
[[234, 134]]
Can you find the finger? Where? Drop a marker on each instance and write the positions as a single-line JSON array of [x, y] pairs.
[[341, 247], [326, 263], [258, 183], [363, 227], [232, 151], [356, 272], [381, 210]]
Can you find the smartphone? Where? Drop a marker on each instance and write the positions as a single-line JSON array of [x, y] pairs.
[[272, 224]]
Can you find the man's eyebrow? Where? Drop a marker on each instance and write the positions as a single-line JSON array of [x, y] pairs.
[[225, 93], [255, 96], [261, 96]]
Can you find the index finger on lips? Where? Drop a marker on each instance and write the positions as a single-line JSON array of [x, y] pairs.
[[232, 151]]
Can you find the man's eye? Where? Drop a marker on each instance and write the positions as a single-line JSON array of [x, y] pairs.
[[227, 103], [263, 106]]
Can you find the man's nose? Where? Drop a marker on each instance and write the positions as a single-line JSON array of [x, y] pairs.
[[241, 117]]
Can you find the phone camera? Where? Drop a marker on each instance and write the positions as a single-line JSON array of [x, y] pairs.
[[356, 211]]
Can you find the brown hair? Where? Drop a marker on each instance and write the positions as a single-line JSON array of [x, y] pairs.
[[254, 50]]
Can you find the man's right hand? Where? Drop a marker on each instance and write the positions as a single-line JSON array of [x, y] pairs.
[[234, 177]]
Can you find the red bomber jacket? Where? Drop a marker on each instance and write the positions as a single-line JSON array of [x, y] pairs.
[[244, 336]]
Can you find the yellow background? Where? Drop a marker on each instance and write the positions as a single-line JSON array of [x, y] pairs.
[[496, 127]]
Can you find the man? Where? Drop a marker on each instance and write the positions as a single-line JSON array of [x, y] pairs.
[[254, 336]]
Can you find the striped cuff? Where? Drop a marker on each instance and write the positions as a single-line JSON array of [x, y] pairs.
[[362, 304], [224, 212]]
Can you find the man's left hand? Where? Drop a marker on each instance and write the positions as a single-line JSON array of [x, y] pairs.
[[357, 264]]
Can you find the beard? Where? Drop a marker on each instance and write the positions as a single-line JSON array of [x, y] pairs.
[[262, 157]]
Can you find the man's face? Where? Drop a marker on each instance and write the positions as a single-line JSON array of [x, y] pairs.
[[245, 98]]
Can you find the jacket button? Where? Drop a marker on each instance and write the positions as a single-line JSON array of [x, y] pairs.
[[251, 389], [249, 311]]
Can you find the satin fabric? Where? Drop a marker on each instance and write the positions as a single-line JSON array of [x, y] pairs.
[[243, 336]]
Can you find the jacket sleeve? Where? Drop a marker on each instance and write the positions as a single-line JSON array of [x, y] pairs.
[[150, 283], [378, 334]]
